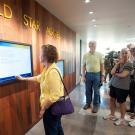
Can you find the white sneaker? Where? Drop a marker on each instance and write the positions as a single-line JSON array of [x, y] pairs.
[[132, 123], [110, 117], [120, 122]]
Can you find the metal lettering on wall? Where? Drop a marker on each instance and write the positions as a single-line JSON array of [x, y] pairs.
[[6, 11], [30, 22], [53, 33]]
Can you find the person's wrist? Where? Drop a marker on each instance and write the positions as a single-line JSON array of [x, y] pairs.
[[83, 75], [102, 74], [24, 79]]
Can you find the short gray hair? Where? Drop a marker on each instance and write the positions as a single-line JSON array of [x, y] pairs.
[[92, 43]]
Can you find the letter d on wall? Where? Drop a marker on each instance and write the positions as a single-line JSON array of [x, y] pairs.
[[7, 12]]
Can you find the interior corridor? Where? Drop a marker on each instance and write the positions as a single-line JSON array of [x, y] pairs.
[[84, 122]]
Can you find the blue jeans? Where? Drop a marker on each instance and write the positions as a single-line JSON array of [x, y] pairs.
[[52, 123], [92, 86]]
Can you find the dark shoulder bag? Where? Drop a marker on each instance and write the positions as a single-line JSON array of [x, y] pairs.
[[64, 105]]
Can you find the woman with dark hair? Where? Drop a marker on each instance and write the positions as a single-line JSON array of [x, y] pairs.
[[51, 89]]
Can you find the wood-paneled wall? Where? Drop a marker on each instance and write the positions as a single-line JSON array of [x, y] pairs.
[[19, 101]]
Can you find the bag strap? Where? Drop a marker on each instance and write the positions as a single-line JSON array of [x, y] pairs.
[[62, 80]]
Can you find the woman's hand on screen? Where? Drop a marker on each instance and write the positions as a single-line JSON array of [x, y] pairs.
[[18, 77]]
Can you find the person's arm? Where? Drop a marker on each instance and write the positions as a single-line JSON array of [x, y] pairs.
[[123, 74], [34, 78], [84, 72], [127, 69], [84, 68], [114, 69], [102, 70]]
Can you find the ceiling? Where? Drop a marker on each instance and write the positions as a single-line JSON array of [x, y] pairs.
[[115, 19]]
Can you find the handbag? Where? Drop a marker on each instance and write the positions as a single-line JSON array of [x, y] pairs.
[[64, 105]]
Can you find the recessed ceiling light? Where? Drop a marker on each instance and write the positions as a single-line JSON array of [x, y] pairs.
[[93, 20], [95, 25], [91, 12], [87, 1]]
